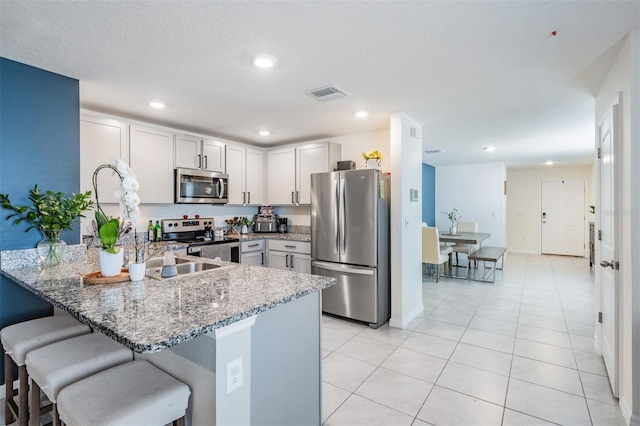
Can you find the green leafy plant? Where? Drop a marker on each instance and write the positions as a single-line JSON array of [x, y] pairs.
[[453, 216], [242, 221], [50, 212]]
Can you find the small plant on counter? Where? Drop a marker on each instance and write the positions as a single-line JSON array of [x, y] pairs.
[[245, 221], [50, 213]]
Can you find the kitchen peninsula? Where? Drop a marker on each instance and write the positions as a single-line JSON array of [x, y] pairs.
[[263, 324]]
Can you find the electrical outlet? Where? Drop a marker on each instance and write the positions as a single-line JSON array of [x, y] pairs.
[[234, 374]]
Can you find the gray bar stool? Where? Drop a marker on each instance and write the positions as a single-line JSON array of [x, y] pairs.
[[18, 340], [135, 393], [60, 364]]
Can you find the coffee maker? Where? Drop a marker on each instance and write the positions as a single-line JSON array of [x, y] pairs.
[[282, 225]]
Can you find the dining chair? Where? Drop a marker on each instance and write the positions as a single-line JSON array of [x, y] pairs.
[[432, 252], [465, 248]]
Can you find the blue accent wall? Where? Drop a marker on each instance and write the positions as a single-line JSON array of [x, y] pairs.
[[39, 144], [429, 194]]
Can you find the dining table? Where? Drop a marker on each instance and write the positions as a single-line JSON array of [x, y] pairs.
[[469, 238]]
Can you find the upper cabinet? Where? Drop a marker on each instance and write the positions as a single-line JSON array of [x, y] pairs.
[[245, 167], [290, 169], [196, 153], [152, 161], [101, 140]]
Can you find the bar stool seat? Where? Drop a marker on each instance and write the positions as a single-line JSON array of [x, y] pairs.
[[17, 341], [135, 393], [60, 364]]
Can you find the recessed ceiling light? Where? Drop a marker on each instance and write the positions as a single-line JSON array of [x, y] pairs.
[[156, 104], [489, 148], [361, 114], [263, 61], [264, 132], [549, 163]]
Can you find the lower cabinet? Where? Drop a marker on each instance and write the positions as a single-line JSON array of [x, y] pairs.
[[252, 253], [290, 255]]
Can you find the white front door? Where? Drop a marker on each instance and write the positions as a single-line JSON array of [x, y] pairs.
[[606, 263], [563, 217]]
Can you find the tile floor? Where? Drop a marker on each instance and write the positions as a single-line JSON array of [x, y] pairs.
[[517, 352]]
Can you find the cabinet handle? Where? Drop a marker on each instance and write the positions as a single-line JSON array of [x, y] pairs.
[[291, 261], [244, 197], [249, 197], [206, 162], [297, 197], [254, 245], [286, 261], [199, 161], [261, 258], [293, 201], [290, 247]]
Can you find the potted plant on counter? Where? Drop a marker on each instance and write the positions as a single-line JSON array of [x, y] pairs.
[[454, 218], [50, 213], [245, 222], [109, 229]]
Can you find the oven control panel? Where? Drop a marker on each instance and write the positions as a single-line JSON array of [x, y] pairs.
[[187, 225]]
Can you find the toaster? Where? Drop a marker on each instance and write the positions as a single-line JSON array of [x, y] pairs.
[[265, 223]]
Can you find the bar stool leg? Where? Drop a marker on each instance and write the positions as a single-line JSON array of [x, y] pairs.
[[56, 416], [8, 389], [179, 422], [24, 395], [35, 404]]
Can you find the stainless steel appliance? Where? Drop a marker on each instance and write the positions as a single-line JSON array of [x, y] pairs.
[[200, 187], [350, 242], [196, 233], [265, 223], [283, 226]]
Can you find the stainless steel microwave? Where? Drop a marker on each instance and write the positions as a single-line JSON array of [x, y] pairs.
[[201, 187]]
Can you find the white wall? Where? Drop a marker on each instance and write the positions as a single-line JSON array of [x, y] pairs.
[[406, 221], [477, 191], [524, 203], [623, 77]]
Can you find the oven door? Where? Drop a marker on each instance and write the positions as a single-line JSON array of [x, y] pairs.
[[200, 187], [229, 252]]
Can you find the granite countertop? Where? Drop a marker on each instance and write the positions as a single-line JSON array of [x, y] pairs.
[[275, 236], [151, 315]]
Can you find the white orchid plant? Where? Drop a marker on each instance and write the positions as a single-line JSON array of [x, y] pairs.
[[109, 229]]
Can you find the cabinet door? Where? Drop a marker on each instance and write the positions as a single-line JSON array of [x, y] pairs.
[[281, 176], [188, 152], [300, 262], [213, 156], [101, 139], [253, 258], [152, 161], [278, 260], [255, 177], [310, 159], [236, 171]]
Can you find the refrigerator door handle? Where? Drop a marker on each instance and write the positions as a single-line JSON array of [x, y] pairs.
[[336, 190], [347, 270], [343, 216]]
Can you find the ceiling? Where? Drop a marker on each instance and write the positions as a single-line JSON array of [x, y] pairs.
[[474, 74]]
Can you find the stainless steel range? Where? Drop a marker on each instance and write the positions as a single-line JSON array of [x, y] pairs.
[[199, 236]]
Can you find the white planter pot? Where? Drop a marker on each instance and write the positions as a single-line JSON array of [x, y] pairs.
[[110, 264], [137, 271], [244, 229], [373, 163], [453, 230]]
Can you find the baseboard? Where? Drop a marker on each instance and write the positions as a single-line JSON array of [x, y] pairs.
[[406, 320], [626, 413]]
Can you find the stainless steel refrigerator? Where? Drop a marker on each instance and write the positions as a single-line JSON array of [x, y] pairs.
[[350, 242]]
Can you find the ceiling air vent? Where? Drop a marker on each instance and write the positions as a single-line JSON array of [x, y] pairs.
[[433, 151], [327, 93]]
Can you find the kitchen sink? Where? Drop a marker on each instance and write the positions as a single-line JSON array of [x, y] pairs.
[[183, 267]]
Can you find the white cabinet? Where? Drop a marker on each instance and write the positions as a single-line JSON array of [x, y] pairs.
[[290, 169], [290, 255], [245, 167], [196, 153], [152, 161], [252, 252], [101, 140]]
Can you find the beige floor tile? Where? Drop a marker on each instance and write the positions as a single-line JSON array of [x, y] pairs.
[[474, 382], [333, 339], [345, 372], [485, 339], [361, 411], [366, 350], [494, 326], [386, 334], [598, 388], [430, 345], [415, 364], [395, 390], [546, 403], [590, 362], [441, 329], [605, 414], [546, 374], [485, 359], [332, 398], [514, 418], [544, 352], [542, 335], [446, 407]]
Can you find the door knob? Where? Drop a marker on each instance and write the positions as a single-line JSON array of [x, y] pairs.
[[606, 264]]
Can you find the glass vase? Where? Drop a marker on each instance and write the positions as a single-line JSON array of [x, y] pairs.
[[51, 251]]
